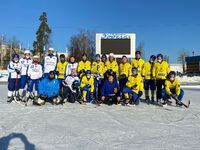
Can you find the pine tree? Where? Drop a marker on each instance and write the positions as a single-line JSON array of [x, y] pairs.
[[42, 36]]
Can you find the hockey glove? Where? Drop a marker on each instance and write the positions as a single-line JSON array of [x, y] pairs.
[[140, 93], [17, 71]]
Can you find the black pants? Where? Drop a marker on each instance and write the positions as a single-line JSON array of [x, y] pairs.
[[67, 93], [159, 85]]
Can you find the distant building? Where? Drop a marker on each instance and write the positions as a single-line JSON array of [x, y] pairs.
[[193, 64]]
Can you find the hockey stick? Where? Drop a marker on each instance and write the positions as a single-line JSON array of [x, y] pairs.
[[180, 102]]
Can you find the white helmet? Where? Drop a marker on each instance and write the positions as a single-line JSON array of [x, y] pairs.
[[35, 57], [111, 55], [51, 49], [27, 52]]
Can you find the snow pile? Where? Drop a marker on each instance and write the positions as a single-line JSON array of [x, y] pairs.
[[189, 80]]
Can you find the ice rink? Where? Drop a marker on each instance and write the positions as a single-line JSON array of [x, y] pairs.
[[75, 126]]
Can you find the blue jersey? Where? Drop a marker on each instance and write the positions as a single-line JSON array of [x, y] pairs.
[[49, 87], [108, 88]]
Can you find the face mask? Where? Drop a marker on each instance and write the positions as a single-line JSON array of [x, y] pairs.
[[88, 76], [97, 59], [16, 60], [172, 79], [159, 60]]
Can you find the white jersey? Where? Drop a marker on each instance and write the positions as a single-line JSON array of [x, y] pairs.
[[50, 63], [69, 81], [25, 62], [71, 66], [11, 70], [35, 71]]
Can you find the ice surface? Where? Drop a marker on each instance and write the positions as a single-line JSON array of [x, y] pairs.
[[75, 126]]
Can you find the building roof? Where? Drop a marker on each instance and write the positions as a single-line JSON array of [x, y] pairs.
[[192, 58]]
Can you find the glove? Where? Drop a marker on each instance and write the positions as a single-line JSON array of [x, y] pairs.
[[82, 71], [17, 71], [140, 93], [57, 72], [115, 90], [174, 96], [43, 97]]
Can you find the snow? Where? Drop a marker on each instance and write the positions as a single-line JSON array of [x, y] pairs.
[[189, 80], [75, 126]]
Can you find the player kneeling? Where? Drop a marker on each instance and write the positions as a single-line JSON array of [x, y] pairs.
[[134, 88], [172, 90], [34, 75], [48, 90], [71, 86], [110, 92], [87, 87]]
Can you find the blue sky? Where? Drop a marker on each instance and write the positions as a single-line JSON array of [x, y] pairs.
[[164, 26]]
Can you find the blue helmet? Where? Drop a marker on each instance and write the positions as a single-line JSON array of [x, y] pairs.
[[88, 72], [153, 56], [160, 55], [135, 69], [15, 56]]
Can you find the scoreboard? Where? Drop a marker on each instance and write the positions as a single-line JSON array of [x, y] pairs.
[[118, 43]]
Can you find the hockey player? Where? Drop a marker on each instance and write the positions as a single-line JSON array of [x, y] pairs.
[[25, 62], [83, 65], [87, 87], [134, 88], [34, 75], [14, 69], [49, 63], [160, 71], [70, 90], [98, 70], [61, 70], [111, 64], [149, 82], [138, 62], [172, 89], [71, 66], [110, 92], [48, 90], [104, 58], [125, 70]]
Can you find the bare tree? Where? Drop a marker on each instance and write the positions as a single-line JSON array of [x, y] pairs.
[[182, 54], [83, 42]]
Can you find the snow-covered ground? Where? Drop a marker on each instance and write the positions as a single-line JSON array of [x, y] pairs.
[[75, 126]]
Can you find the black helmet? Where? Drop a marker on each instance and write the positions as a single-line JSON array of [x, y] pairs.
[[62, 56], [51, 73], [75, 84]]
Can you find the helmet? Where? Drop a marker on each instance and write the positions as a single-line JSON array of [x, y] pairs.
[[111, 55], [134, 69], [51, 73], [97, 55], [138, 52], [153, 57], [172, 73], [62, 56], [103, 56], [88, 72], [160, 55], [51, 49], [75, 84], [27, 52], [35, 57], [15, 56]]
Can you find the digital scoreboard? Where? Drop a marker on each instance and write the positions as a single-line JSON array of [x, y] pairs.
[[118, 43]]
